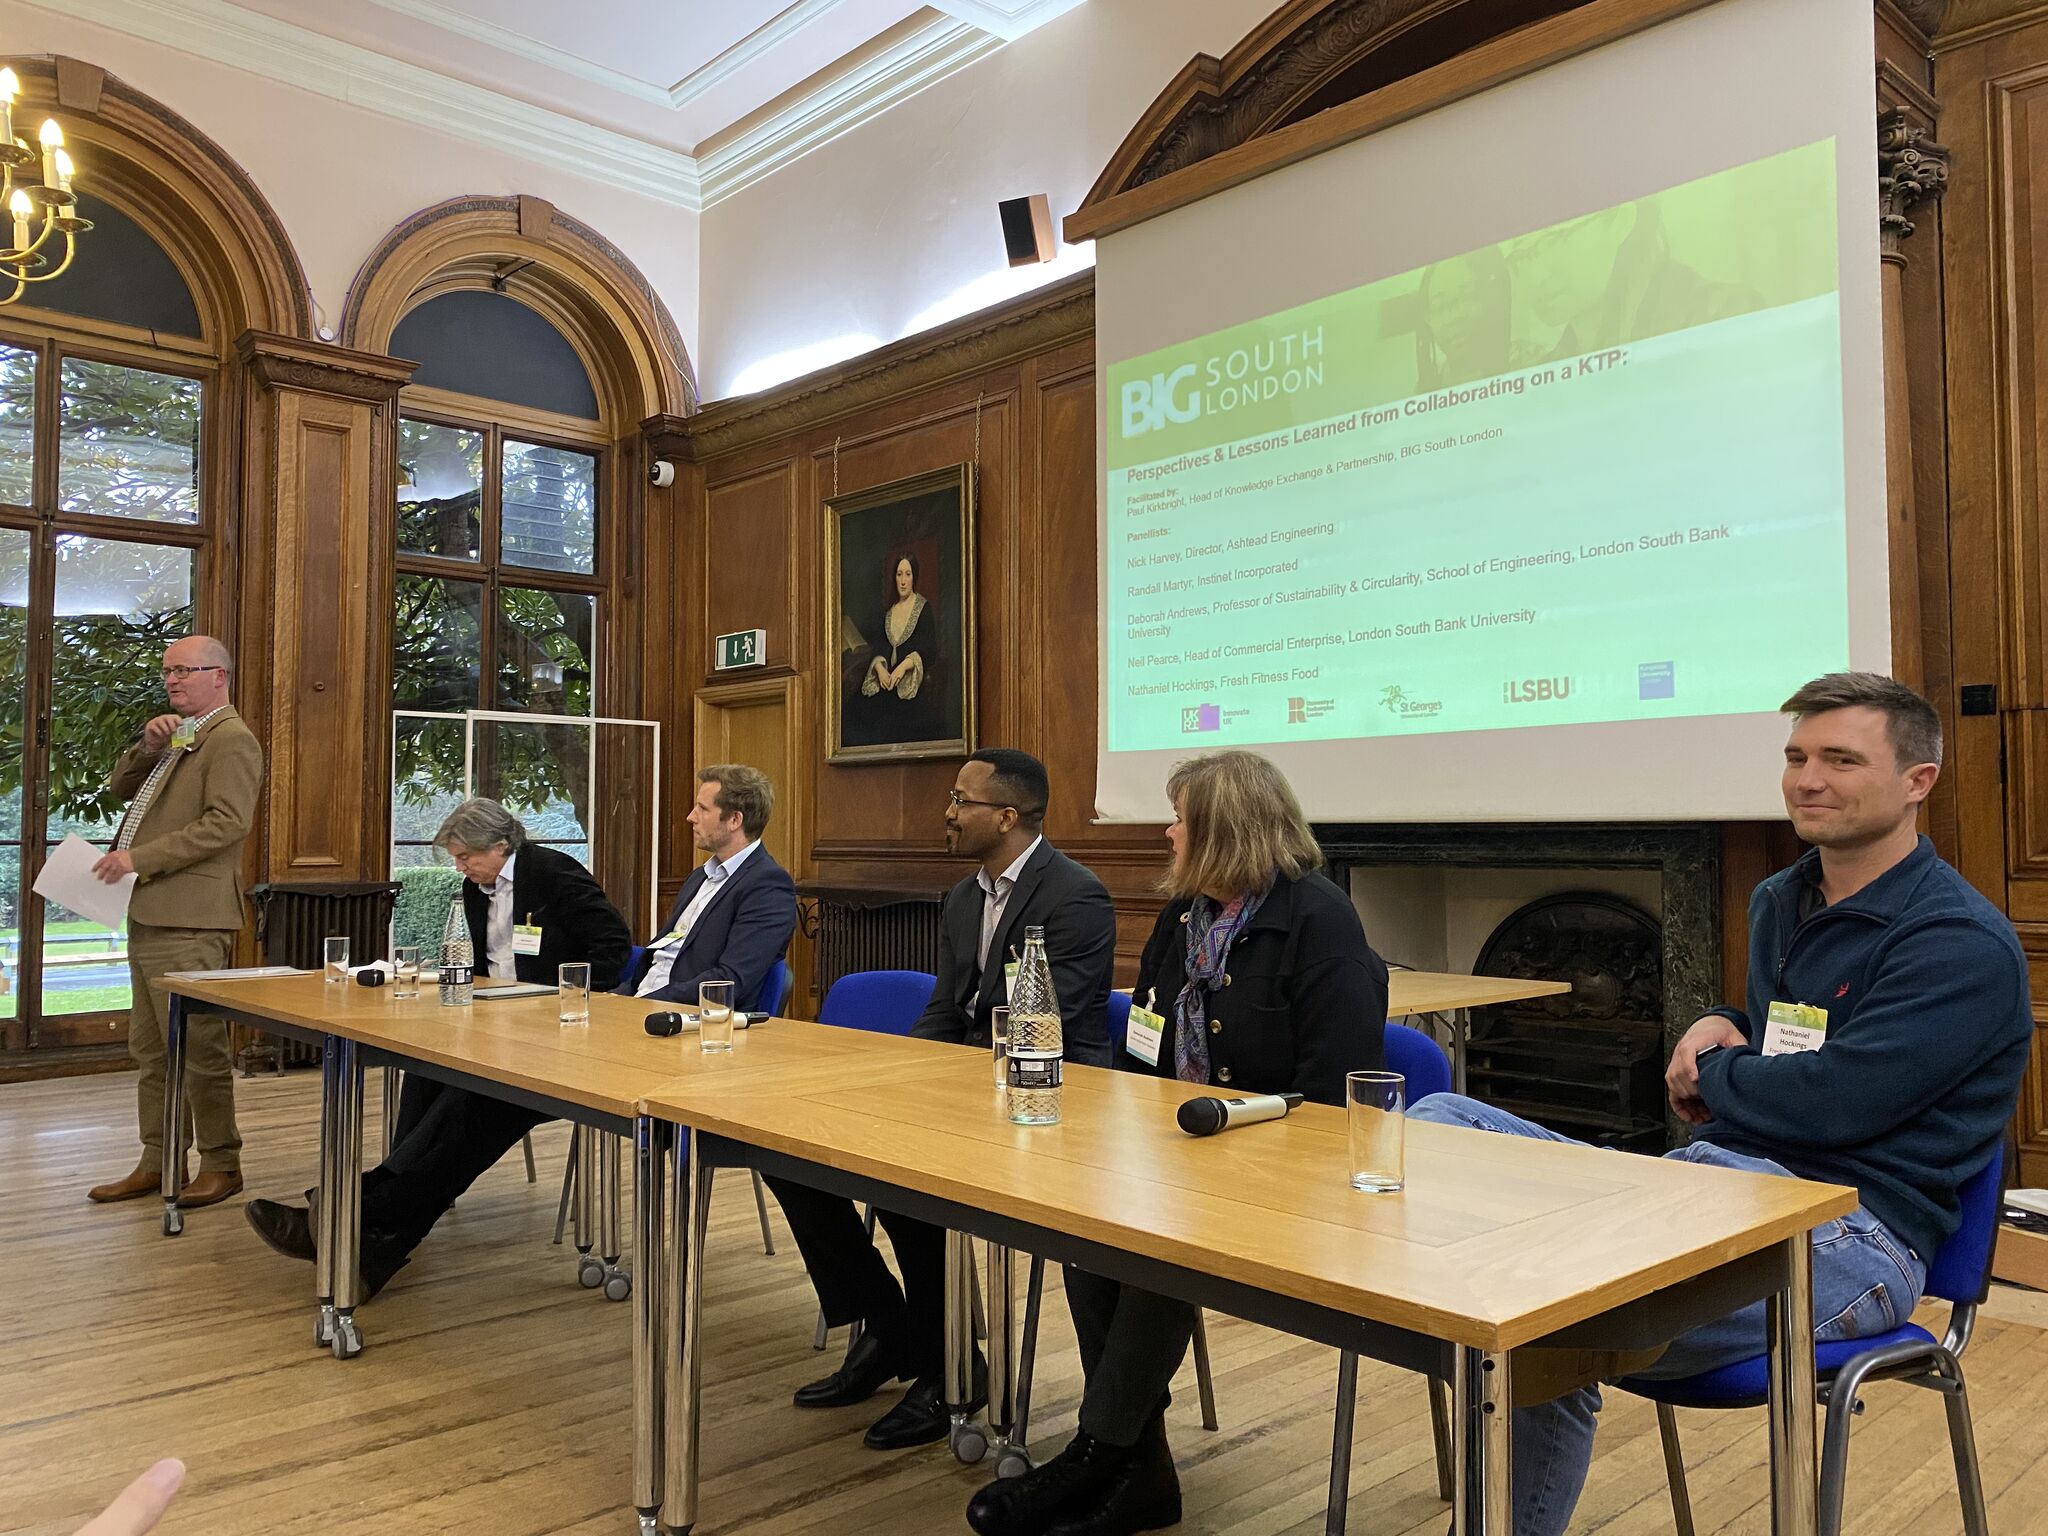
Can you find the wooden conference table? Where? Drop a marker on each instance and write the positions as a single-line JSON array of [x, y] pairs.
[[1486, 1252]]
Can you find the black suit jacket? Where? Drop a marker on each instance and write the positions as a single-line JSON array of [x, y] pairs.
[[577, 921], [1054, 893], [738, 938], [1303, 999]]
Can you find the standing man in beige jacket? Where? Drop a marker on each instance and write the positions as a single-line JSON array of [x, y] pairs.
[[192, 779]]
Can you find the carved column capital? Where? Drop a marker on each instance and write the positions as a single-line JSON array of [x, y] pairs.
[[321, 368], [1911, 169]]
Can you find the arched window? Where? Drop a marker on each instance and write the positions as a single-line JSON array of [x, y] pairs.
[[502, 564], [107, 518]]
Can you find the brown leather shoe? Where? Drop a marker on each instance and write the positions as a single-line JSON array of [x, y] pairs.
[[209, 1189], [143, 1181]]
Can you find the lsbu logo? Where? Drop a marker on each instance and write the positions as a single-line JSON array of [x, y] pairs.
[[1535, 690], [1151, 403]]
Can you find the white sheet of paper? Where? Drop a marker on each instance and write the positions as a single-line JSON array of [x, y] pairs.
[[68, 880]]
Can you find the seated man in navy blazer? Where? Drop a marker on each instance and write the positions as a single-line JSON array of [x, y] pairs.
[[997, 807], [737, 935], [532, 909], [736, 912]]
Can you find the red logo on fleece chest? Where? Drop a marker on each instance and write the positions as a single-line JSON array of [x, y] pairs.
[[1842, 990]]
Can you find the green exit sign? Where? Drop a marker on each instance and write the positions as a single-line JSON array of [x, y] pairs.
[[741, 648]]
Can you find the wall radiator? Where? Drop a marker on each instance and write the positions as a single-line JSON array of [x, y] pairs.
[[878, 931], [293, 922]]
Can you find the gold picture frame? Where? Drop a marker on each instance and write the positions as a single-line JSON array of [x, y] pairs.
[[899, 620]]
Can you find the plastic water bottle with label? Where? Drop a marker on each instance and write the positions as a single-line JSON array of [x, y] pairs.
[[458, 960], [1036, 1049]]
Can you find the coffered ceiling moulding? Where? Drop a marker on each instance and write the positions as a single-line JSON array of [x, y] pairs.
[[777, 30], [293, 55], [1008, 19], [841, 101]]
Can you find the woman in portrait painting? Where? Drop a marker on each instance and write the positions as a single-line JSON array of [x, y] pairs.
[[911, 634]]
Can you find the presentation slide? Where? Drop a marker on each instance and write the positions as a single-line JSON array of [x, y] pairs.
[[1590, 473]]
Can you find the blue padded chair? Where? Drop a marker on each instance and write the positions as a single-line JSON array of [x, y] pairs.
[[882, 1003], [1960, 1274], [775, 989]]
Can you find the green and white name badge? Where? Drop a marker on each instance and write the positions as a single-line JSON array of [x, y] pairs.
[[1009, 982], [1142, 1036], [1794, 1027], [526, 939]]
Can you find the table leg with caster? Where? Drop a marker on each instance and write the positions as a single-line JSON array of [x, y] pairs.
[[618, 1284], [968, 1439], [683, 1280], [1481, 1393], [1015, 1457], [653, 1146], [174, 1114], [327, 1212], [348, 1202], [589, 1268]]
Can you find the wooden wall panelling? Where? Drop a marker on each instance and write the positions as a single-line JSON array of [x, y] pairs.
[[666, 651], [750, 554], [1994, 80], [1013, 390], [324, 417]]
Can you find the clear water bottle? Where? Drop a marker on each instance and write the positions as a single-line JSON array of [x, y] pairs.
[[1036, 1049], [458, 960]]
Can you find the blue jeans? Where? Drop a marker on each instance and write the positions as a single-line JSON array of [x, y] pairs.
[[1865, 1281]]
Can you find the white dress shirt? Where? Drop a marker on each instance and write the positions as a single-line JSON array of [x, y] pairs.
[[996, 895], [498, 961], [663, 963]]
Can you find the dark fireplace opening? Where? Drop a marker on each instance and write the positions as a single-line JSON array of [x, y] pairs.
[[1590, 1062]]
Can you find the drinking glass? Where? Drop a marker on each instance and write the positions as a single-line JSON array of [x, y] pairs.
[[1373, 1106], [999, 1035], [405, 971], [714, 1015], [337, 960], [572, 985]]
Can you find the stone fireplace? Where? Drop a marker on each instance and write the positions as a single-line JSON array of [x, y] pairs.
[[1629, 913]]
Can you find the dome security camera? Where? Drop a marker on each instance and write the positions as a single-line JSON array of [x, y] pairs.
[[661, 474]]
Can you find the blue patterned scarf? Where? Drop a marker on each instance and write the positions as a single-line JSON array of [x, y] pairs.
[[1211, 932]]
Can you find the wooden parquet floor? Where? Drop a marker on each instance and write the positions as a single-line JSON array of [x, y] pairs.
[[494, 1395]]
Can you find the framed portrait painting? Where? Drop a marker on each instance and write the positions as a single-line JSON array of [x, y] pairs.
[[899, 621]]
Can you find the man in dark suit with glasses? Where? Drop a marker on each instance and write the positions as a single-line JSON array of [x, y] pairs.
[[995, 814]]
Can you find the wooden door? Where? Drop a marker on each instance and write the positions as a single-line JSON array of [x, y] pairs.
[[758, 722]]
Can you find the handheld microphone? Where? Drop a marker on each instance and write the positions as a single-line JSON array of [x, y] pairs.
[[1205, 1117], [663, 1024]]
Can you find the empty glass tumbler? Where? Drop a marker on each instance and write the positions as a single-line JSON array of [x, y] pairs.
[[1374, 1113]]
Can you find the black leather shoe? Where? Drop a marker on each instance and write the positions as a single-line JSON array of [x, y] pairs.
[[1075, 1480], [1144, 1497], [922, 1418], [286, 1228], [868, 1367]]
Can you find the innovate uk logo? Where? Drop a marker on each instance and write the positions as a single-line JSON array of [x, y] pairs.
[[1201, 717]]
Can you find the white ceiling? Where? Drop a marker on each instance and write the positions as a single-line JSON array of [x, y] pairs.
[[675, 74]]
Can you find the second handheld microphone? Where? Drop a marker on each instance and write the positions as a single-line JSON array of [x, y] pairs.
[[1205, 1117]]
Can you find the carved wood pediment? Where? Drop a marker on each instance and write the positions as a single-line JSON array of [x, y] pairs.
[[1313, 54]]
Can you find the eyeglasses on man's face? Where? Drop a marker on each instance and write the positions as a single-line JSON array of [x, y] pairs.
[[179, 674], [959, 799]]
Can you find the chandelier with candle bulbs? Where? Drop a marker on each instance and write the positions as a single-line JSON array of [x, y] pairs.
[[30, 259]]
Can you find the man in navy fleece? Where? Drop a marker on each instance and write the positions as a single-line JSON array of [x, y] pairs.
[[1908, 1090]]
